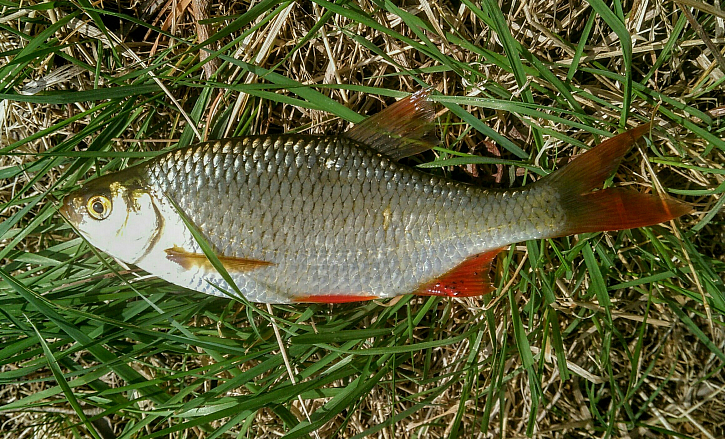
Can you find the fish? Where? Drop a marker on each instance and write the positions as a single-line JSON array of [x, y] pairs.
[[334, 219]]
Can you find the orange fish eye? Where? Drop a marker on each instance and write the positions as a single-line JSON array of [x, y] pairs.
[[98, 207]]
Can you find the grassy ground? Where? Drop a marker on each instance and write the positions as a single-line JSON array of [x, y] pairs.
[[616, 334]]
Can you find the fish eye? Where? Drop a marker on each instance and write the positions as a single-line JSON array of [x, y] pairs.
[[99, 207]]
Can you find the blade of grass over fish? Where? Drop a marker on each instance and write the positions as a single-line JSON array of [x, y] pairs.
[[209, 253], [212, 349]]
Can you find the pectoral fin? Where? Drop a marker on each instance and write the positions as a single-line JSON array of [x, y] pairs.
[[190, 260]]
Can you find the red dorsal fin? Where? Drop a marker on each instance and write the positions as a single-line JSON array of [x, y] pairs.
[[590, 210], [469, 278], [401, 130]]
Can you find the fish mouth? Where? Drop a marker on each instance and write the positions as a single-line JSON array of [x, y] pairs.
[[68, 211]]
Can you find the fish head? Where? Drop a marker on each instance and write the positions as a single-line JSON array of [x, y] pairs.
[[115, 214]]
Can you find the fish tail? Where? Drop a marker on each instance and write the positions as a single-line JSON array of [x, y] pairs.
[[591, 210]]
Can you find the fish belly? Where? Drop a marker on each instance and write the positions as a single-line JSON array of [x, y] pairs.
[[330, 217]]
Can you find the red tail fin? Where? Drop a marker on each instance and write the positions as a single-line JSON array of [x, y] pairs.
[[590, 210]]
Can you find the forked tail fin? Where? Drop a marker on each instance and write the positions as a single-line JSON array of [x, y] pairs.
[[590, 210]]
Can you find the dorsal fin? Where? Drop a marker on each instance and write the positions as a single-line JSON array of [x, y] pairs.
[[401, 130]]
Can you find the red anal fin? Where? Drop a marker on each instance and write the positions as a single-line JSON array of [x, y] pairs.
[[469, 278], [333, 298], [401, 130], [190, 260]]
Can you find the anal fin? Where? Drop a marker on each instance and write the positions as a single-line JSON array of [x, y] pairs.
[[469, 278], [189, 260]]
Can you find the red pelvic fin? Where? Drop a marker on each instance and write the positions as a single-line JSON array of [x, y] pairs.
[[401, 130], [469, 278], [590, 210], [333, 298]]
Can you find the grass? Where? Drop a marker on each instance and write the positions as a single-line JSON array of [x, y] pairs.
[[616, 334]]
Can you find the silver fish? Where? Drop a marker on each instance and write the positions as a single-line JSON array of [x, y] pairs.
[[297, 218]]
